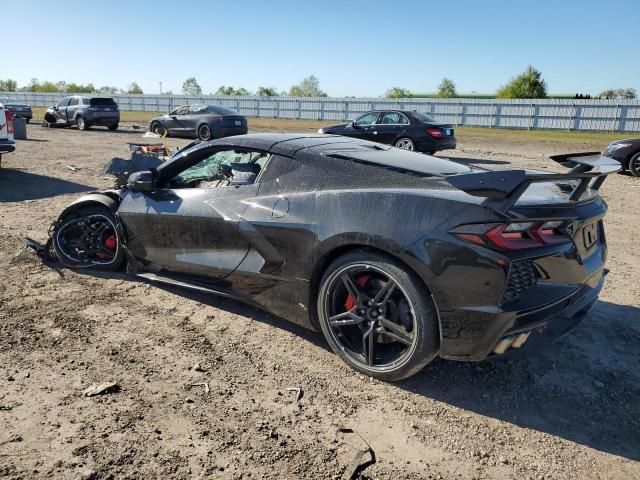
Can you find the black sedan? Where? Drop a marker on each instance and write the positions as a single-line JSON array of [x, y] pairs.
[[627, 152], [205, 122], [18, 108], [396, 257], [406, 130]]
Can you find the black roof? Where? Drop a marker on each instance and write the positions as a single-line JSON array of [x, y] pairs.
[[291, 144]]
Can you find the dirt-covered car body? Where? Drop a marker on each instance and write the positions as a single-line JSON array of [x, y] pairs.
[[502, 255]]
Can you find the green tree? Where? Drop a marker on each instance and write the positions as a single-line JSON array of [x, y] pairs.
[[529, 84], [8, 85], [267, 92], [46, 87], [397, 92], [134, 89], [78, 88], [308, 87], [222, 90], [107, 89], [191, 87], [627, 93], [447, 89]]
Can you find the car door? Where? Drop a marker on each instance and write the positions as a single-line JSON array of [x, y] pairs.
[[195, 232], [61, 110], [363, 127], [391, 126], [72, 108], [171, 120]]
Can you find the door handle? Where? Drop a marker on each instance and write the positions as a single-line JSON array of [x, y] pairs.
[[375, 132]]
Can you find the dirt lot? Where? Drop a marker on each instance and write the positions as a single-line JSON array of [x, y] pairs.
[[572, 411]]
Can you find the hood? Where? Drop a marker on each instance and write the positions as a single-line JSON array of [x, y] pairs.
[[335, 126]]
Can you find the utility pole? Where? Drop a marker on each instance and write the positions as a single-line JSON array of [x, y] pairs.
[[160, 87]]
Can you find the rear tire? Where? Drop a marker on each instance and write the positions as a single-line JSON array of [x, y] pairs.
[[113, 127], [389, 335], [88, 238], [204, 132], [405, 143], [634, 165], [81, 123], [158, 128]]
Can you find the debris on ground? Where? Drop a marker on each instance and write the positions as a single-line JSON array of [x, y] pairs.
[[101, 389], [299, 392], [11, 439], [199, 368], [72, 168], [202, 384]]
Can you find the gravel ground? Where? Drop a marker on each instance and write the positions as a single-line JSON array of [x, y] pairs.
[[571, 411]]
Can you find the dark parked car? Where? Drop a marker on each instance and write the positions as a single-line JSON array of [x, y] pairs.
[[396, 257], [17, 108], [407, 130], [205, 122], [627, 152], [84, 112]]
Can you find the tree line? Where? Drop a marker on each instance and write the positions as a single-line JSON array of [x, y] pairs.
[[528, 84]]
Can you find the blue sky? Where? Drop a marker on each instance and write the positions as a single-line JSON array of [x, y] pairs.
[[356, 47]]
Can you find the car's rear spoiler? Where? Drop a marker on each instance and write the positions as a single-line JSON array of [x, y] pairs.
[[503, 188]]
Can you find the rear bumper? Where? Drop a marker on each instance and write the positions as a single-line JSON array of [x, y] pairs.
[[7, 146], [110, 118], [432, 144], [222, 132], [544, 324]]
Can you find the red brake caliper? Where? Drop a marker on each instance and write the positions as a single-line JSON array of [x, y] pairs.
[[350, 302], [110, 242]]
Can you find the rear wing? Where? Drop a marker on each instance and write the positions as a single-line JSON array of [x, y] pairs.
[[503, 188]]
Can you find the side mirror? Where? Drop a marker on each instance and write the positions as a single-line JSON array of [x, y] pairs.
[[55, 107], [141, 181]]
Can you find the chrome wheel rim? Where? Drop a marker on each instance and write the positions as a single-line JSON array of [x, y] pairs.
[[80, 123], [635, 165], [370, 317], [89, 240], [405, 144]]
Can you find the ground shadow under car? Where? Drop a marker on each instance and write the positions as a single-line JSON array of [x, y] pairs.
[[18, 185], [582, 388], [571, 389]]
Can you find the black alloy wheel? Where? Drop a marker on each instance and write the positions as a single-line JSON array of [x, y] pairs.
[[377, 316]]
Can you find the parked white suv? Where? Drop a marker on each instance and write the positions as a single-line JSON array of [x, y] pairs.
[[7, 144]]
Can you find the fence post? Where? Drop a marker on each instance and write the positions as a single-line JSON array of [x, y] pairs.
[[277, 109], [346, 110], [257, 107], [617, 118], [298, 110], [321, 116]]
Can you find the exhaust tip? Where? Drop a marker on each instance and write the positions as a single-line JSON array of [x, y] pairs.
[[512, 341]]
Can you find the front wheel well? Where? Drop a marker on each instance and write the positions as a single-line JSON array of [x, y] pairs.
[[324, 262]]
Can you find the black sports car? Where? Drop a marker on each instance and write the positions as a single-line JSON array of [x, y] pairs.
[[396, 257], [205, 122], [627, 152], [406, 130], [19, 109]]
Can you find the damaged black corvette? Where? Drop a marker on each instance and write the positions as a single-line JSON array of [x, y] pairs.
[[395, 256]]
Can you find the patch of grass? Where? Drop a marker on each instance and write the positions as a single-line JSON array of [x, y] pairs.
[[596, 140]]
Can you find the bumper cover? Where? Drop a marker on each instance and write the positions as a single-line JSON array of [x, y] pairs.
[[7, 146], [546, 324]]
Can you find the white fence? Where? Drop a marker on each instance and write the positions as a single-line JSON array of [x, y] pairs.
[[585, 115]]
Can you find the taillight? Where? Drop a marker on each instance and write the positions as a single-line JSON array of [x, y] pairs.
[[514, 236], [434, 132], [9, 122]]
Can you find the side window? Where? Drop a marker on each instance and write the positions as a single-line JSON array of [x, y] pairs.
[[221, 169], [74, 101], [64, 102], [394, 118], [367, 119]]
